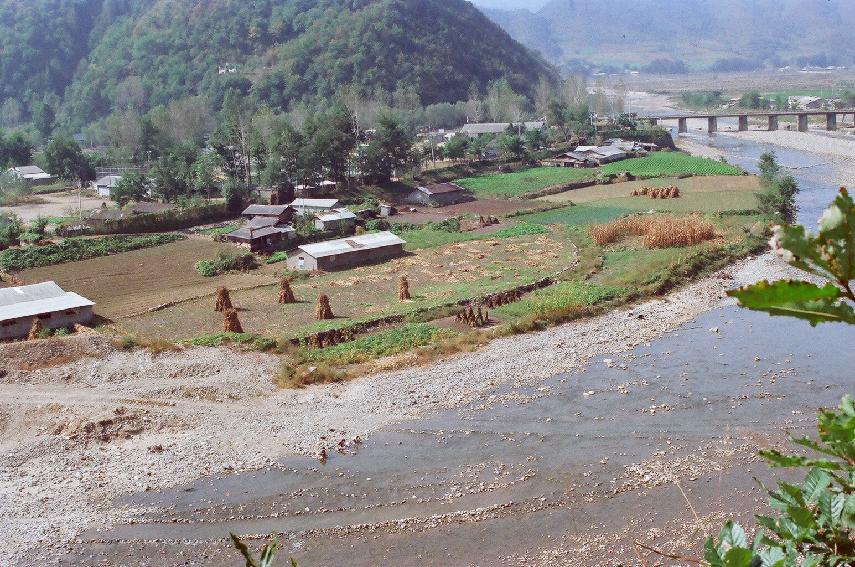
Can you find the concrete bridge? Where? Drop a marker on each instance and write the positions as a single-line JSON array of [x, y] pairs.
[[742, 118]]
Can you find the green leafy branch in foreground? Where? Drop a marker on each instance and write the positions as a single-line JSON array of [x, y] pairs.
[[816, 521], [265, 558], [829, 254], [815, 525]]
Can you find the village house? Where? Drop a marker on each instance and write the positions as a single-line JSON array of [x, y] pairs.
[[310, 191], [303, 206], [47, 302], [261, 234], [104, 184], [438, 195], [282, 214], [806, 102], [32, 174], [347, 252], [276, 195], [479, 129], [340, 220]]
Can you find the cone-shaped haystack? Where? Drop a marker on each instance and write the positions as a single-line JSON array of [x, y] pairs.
[[286, 294], [223, 300], [322, 309], [403, 289], [35, 329], [231, 324]]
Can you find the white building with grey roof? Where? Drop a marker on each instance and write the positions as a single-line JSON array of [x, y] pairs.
[[346, 253], [47, 302]]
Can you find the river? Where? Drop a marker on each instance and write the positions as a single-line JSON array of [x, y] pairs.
[[655, 445]]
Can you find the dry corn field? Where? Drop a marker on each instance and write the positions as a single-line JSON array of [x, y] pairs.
[[672, 192], [656, 231]]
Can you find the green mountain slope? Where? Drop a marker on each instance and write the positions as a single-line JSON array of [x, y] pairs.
[[99, 55], [702, 33]]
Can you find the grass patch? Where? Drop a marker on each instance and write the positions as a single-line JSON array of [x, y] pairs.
[[279, 256], [74, 249], [522, 229], [670, 163], [226, 262], [252, 340], [578, 215], [520, 182], [377, 345], [220, 230], [431, 237], [559, 297]]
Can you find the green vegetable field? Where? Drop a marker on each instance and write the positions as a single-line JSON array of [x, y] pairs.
[[520, 182], [670, 163]]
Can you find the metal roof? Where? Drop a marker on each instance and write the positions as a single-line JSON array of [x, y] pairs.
[[37, 299], [30, 172], [108, 180], [336, 214], [262, 222], [314, 203], [440, 188], [352, 244], [247, 233], [265, 210]]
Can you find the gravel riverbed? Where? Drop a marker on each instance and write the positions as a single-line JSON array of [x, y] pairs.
[[78, 435]]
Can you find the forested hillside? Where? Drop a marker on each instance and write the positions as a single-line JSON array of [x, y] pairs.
[[90, 58], [717, 35]]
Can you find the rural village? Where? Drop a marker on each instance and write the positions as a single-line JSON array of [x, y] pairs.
[[318, 296]]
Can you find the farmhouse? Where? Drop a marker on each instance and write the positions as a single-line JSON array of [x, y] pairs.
[[262, 234], [282, 214], [347, 252], [303, 206], [570, 159], [47, 302], [32, 174], [438, 195], [478, 129], [103, 184], [341, 220]]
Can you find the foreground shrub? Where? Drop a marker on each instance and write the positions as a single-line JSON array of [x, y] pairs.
[[74, 249], [226, 262]]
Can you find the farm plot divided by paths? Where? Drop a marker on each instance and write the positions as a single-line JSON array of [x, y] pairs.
[[437, 276], [707, 194], [132, 282]]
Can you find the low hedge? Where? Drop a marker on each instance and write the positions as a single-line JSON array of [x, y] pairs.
[[74, 249], [223, 263]]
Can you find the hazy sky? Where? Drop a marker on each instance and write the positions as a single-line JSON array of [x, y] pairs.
[[510, 4]]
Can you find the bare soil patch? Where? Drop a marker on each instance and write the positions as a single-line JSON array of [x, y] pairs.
[[133, 282]]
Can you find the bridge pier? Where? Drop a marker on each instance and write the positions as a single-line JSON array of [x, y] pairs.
[[682, 125], [831, 121], [803, 122], [743, 123], [712, 124], [773, 122]]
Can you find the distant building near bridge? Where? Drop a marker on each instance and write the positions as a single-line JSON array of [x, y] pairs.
[[47, 302], [479, 129], [806, 102]]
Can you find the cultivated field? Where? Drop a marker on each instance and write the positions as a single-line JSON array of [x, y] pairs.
[[437, 275], [703, 193], [670, 163], [136, 281], [521, 182]]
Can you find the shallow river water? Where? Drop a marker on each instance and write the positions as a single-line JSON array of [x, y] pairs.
[[652, 445]]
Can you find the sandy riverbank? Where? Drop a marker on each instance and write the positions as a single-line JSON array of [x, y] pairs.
[[77, 435], [838, 149]]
